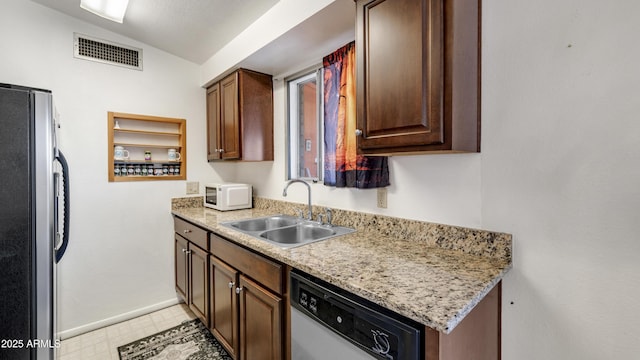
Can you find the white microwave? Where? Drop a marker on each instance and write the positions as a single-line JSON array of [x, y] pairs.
[[228, 196]]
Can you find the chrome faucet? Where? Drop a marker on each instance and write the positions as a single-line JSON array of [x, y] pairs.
[[284, 193], [329, 215]]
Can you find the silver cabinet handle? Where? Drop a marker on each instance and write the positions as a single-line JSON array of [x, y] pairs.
[[231, 283], [186, 231], [221, 150], [188, 252], [238, 289], [358, 132]]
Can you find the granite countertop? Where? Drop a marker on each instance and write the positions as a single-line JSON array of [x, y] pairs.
[[431, 283]]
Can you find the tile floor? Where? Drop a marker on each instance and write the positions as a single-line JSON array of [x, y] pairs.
[[102, 344]]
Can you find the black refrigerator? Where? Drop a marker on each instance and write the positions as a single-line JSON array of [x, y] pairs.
[[34, 213]]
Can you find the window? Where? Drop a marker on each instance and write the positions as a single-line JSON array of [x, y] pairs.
[[305, 126]]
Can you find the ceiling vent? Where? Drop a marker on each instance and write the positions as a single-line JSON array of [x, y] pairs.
[[106, 52]]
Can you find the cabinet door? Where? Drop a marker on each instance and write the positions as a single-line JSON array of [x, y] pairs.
[[213, 122], [229, 117], [198, 283], [399, 50], [180, 270], [224, 304], [260, 322], [256, 115]]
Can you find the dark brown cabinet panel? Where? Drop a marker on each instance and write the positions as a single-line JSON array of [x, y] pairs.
[[260, 322], [224, 304], [191, 267], [263, 270], [240, 117], [213, 123], [476, 337], [198, 283], [181, 267], [418, 73], [192, 233], [255, 304], [230, 118]]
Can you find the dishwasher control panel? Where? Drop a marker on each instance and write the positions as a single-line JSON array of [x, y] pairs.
[[378, 331]]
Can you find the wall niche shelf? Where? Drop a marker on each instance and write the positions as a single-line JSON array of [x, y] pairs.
[[141, 135]]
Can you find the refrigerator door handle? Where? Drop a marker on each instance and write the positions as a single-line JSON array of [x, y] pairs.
[[61, 247]]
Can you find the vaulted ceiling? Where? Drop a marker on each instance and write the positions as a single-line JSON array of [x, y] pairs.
[[191, 29], [196, 30]]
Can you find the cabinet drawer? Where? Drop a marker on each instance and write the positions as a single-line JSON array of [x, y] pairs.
[[191, 232], [264, 271]]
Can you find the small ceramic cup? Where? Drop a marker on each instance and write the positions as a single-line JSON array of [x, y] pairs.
[[173, 155], [119, 153]]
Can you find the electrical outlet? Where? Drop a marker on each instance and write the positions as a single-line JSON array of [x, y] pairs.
[[193, 187], [382, 197]]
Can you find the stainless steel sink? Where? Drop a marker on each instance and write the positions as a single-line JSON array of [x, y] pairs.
[[286, 231], [297, 234], [266, 223]]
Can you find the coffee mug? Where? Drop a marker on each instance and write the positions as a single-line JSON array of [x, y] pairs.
[[173, 155], [120, 153]]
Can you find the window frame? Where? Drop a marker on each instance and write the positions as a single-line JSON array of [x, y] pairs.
[[293, 142]]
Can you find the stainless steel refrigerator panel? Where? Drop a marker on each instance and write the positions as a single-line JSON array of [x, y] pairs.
[[27, 224], [45, 227]]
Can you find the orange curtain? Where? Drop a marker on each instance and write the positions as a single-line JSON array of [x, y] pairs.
[[343, 166]]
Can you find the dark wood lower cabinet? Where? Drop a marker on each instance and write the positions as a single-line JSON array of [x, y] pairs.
[[181, 269], [224, 304], [191, 267], [478, 336], [247, 302], [198, 283], [260, 322], [192, 276]]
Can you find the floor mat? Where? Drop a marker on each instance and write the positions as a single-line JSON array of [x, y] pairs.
[[190, 340]]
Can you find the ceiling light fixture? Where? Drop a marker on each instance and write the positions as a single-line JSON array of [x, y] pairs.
[[109, 9]]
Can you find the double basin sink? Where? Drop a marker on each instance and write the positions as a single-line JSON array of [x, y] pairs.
[[286, 231]]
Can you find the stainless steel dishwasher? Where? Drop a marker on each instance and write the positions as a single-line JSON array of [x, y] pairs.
[[330, 323]]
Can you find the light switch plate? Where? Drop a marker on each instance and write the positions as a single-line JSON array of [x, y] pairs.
[[193, 187], [382, 197]]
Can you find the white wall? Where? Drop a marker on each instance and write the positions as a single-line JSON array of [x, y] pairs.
[[442, 189], [561, 172], [120, 255]]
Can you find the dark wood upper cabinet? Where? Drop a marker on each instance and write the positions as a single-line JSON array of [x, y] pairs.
[[240, 117], [214, 137], [418, 75], [230, 118]]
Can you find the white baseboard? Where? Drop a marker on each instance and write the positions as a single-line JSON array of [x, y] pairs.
[[116, 319]]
